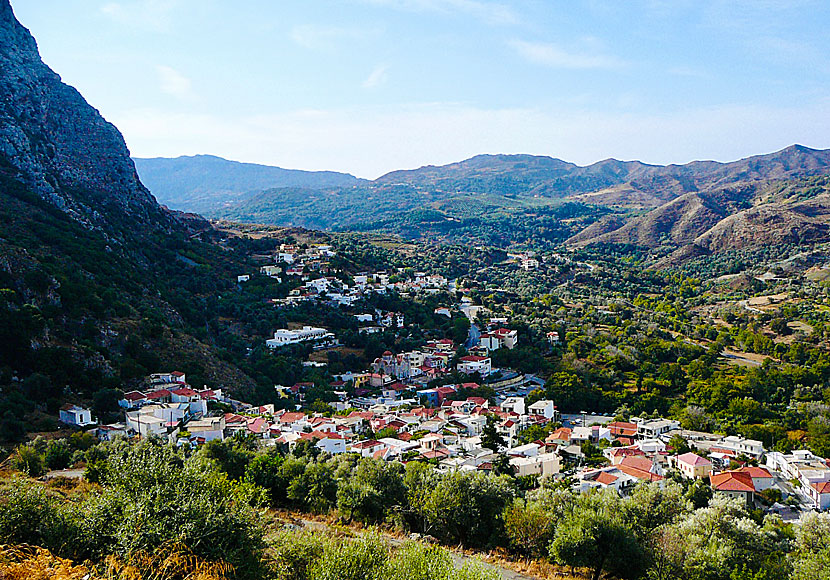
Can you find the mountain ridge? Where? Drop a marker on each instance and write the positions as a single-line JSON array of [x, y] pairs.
[[202, 183]]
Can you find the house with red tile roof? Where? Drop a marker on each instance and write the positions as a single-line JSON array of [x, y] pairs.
[[761, 478], [623, 429], [641, 468], [736, 484], [819, 492], [616, 454]]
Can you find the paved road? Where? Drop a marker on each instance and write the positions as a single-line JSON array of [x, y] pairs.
[[473, 337]]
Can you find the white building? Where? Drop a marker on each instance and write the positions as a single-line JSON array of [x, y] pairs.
[[741, 446], [545, 464], [75, 415], [283, 336], [514, 405], [544, 407], [475, 364]]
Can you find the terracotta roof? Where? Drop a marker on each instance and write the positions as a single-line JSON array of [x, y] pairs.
[[606, 478], [185, 392], [822, 486], [291, 417], [732, 481], [755, 472], [473, 358], [134, 396], [368, 444], [159, 394], [638, 467]]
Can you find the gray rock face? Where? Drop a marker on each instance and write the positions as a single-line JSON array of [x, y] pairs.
[[52, 140]]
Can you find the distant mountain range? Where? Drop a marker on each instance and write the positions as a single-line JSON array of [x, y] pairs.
[[628, 202], [205, 183]]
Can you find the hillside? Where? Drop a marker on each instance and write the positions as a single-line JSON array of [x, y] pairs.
[[205, 183], [98, 284], [486, 196], [750, 215]]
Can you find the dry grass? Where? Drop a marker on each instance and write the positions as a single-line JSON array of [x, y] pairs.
[[166, 563], [27, 563]]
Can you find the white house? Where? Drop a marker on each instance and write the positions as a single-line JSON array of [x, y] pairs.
[[514, 405], [741, 446], [75, 415], [283, 336], [499, 338], [475, 364], [243, 278], [208, 428], [653, 428], [544, 407], [545, 464]]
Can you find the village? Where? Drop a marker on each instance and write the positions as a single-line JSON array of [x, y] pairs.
[[387, 421], [496, 419]]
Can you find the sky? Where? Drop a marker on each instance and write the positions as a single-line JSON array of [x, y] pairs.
[[371, 86]]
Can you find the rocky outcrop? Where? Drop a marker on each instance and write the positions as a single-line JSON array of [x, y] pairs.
[[59, 146]]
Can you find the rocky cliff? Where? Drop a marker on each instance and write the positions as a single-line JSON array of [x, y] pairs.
[[59, 146]]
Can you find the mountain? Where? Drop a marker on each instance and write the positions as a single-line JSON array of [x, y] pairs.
[[204, 183], [507, 199], [58, 146], [99, 285], [528, 175]]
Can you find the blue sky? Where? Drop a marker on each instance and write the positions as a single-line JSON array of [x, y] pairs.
[[369, 86]]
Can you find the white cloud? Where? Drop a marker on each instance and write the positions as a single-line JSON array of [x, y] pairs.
[[174, 83], [377, 77], [374, 140], [555, 56], [490, 12]]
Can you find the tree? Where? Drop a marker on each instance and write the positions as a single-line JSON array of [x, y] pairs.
[[230, 455], [529, 527], [593, 535], [720, 542], [27, 460], [264, 471], [58, 454], [490, 437], [314, 490]]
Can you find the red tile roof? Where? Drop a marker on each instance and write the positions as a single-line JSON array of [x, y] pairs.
[[291, 417], [755, 472], [732, 481], [822, 486], [638, 467], [606, 478]]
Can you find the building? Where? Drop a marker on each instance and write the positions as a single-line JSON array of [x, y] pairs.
[[692, 466], [75, 415], [737, 484], [475, 364], [283, 336], [736, 446], [653, 428], [543, 407], [499, 338]]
